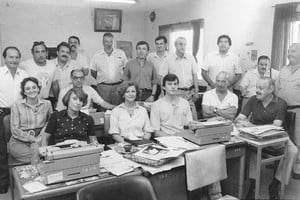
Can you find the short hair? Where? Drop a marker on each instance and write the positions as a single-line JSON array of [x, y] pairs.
[[125, 86], [169, 77], [108, 34], [79, 93], [37, 43], [269, 79], [263, 57], [63, 44], [161, 38], [4, 54], [76, 70], [179, 38], [224, 36], [23, 83], [142, 43], [74, 37]]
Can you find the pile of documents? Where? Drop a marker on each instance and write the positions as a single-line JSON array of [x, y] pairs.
[[263, 132]]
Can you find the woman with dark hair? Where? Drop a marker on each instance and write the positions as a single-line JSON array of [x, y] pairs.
[[29, 117], [129, 120], [71, 123]]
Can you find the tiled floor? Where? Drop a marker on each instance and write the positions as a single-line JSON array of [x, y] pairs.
[[292, 191]]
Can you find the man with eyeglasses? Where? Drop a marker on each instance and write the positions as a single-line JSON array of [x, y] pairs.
[[41, 68], [77, 77], [10, 86]]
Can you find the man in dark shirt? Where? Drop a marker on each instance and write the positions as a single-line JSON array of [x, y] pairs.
[[266, 108]]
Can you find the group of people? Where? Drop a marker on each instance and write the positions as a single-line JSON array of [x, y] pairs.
[[169, 79]]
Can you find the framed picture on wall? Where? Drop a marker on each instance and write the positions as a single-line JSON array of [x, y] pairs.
[[107, 20]]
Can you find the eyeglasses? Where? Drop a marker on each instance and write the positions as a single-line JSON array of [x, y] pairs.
[[78, 77]]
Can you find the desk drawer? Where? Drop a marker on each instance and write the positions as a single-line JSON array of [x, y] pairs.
[[235, 152]]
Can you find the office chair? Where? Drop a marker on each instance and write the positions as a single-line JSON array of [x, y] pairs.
[[121, 188]]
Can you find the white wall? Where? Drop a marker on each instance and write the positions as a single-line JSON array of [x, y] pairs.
[[246, 21], [23, 23]]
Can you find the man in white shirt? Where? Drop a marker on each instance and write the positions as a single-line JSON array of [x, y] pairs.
[[223, 60], [220, 102], [77, 76], [107, 67], [40, 68], [10, 86], [157, 57]]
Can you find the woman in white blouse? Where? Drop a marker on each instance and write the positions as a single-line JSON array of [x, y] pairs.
[[129, 120]]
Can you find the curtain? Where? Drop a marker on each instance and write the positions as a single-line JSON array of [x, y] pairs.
[[197, 25], [285, 14]]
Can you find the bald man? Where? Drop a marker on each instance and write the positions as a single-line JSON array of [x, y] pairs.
[[220, 102]]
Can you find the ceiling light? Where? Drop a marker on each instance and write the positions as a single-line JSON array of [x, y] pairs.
[[118, 1]]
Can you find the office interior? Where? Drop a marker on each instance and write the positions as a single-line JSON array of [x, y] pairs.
[[249, 23]]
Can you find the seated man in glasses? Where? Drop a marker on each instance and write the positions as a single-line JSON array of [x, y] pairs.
[[266, 108]]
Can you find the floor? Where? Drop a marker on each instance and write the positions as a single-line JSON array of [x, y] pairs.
[[292, 191]]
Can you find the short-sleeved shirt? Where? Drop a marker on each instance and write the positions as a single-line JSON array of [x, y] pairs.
[[156, 60], [44, 74], [288, 85], [210, 98], [62, 127], [251, 77], [10, 86], [184, 68], [215, 63], [110, 68], [129, 126], [144, 76], [260, 115], [93, 97], [170, 118]]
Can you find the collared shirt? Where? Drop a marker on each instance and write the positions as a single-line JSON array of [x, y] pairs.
[[82, 60], [127, 125], [144, 76], [251, 77], [170, 118], [156, 60], [62, 127], [210, 98], [25, 117], [215, 63], [288, 85], [184, 68], [93, 97], [109, 68], [63, 74], [44, 74], [10, 86], [275, 110]]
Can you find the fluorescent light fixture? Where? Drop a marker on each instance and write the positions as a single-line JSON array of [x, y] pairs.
[[118, 1]]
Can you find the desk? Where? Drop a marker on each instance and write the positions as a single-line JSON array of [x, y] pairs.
[[168, 185]]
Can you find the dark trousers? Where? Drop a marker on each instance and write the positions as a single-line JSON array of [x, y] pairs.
[[144, 94], [4, 174]]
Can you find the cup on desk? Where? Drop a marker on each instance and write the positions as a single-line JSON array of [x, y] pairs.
[[127, 147]]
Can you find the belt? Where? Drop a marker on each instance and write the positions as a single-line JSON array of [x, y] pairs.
[[116, 83], [186, 89]]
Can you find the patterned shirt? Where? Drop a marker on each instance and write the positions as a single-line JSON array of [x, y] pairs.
[[62, 127], [25, 117]]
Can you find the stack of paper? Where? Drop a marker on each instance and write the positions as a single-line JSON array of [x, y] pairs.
[[263, 131], [177, 142]]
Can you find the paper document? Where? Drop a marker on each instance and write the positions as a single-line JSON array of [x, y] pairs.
[[176, 142], [34, 186], [155, 152], [263, 129]]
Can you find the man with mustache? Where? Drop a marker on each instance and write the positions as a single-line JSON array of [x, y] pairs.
[[288, 88], [107, 67], [249, 80], [266, 108], [222, 60], [64, 66], [11, 77], [40, 68]]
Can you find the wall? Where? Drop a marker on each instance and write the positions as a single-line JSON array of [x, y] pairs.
[[246, 21], [23, 23]]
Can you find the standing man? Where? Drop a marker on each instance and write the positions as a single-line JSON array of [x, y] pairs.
[[142, 72], [157, 57], [40, 68], [10, 86], [64, 66], [288, 88], [223, 60], [185, 68], [107, 67]]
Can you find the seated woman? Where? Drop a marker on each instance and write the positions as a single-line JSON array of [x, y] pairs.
[[70, 123], [129, 120], [29, 117]]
